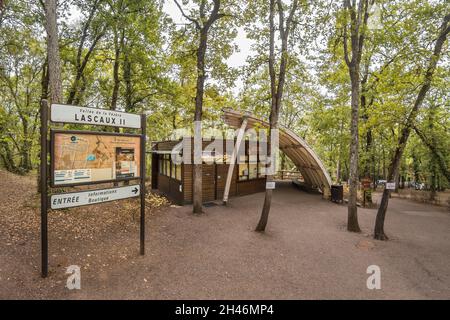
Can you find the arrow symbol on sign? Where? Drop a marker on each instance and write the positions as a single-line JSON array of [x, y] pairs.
[[135, 190]]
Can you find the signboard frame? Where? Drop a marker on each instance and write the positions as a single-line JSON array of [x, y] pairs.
[[366, 183], [137, 194], [53, 133], [44, 184], [86, 123], [390, 185], [270, 185]]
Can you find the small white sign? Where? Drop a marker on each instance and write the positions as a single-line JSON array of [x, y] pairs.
[[270, 185], [83, 198], [390, 185], [95, 116]]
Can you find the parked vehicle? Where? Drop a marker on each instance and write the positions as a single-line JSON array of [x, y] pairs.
[[419, 186]]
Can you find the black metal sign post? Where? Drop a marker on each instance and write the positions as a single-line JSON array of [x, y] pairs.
[[43, 188], [58, 201], [142, 223]]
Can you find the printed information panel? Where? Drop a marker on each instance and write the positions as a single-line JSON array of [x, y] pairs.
[[83, 198], [390, 185], [270, 185], [84, 158]]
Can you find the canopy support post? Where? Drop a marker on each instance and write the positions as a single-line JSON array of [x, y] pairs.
[[233, 159]]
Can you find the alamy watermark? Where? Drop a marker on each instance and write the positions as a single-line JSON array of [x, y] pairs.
[[74, 280], [374, 280], [224, 146]]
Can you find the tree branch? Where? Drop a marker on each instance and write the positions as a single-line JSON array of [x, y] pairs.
[[197, 24]]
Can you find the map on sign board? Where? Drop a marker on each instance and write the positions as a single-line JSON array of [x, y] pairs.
[[94, 157]]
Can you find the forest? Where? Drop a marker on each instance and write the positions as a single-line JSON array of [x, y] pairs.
[[365, 83]]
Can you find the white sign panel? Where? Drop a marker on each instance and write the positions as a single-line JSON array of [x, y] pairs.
[[390, 185], [102, 117], [270, 185], [75, 199]]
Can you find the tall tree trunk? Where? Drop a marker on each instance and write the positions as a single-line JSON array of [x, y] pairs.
[[379, 233], [198, 141], [433, 178], [352, 219], [54, 62], [339, 160], [80, 67], [365, 116], [118, 43], [276, 93], [127, 79], [203, 25], [25, 150], [359, 15]]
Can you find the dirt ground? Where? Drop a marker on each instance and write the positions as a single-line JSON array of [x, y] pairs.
[[306, 252]]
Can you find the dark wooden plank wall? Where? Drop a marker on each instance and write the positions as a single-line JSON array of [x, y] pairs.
[[187, 183], [171, 188], [251, 186]]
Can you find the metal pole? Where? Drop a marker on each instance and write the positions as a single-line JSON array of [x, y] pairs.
[[43, 187], [143, 171]]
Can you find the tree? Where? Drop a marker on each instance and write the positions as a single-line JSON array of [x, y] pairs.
[[359, 15], [88, 26], [276, 84], [54, 62], [379, 233], [203, 26], [437, 154], [23, 59]]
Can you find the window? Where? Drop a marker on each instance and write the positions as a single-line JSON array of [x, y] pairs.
[[253, 171], [219, 158], [178, 172], [253, 166], [166, 165], [262, 166], [172, 170], [160, 164], [250, 166], [262, 170], [168, 168], [175, 172], [243, 171], [210, 157]]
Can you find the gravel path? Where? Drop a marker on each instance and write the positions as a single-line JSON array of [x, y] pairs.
[[306, 252]]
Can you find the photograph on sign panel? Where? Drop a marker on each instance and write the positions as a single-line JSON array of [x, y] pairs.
[[90, 157]]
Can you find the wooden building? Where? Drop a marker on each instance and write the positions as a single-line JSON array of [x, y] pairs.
[[176, 180]]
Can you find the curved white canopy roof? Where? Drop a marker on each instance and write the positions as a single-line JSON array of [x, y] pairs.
[[303, 156]]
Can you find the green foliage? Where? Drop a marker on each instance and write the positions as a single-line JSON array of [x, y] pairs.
[[155, 59]]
